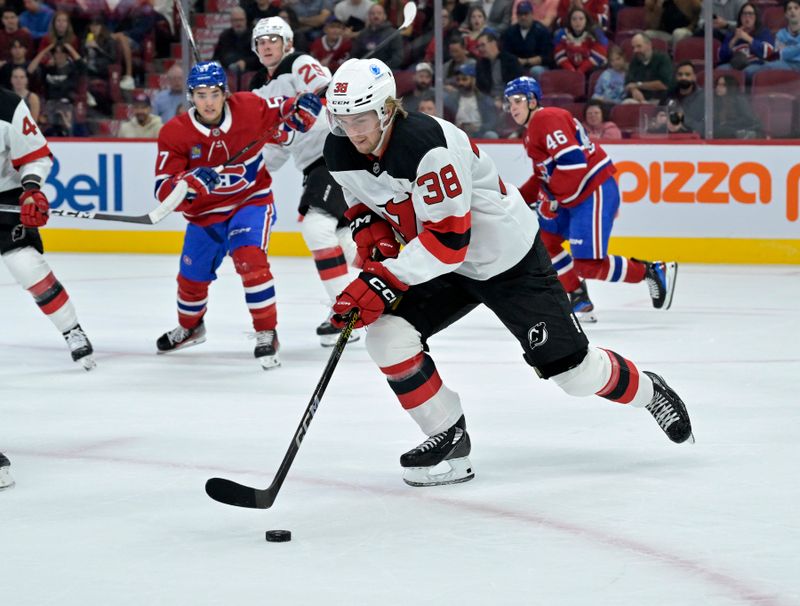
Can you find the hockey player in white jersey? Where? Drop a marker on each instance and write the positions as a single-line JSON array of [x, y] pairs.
[[322, 205], [469, 240], [25, 162]]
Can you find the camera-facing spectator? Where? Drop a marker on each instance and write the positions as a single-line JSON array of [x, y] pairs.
[[233, 45], [423, 85], [610, 85], [457, 49], [427, 105], [376, 31], [36, 18], [749, 46], [472, 28], [59, 31], [167, 101], [597, 10], [473, 111], [529, 41], [19, 84], [689, 97], [333, 47], [12, 31], [142, 124], [495, 68], [18, 58], [62, 73], [596, 124], [577, 47], [787, 40], [100, 51], [649, 73]]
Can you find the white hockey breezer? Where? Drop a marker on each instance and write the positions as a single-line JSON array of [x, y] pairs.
[[448, 448]]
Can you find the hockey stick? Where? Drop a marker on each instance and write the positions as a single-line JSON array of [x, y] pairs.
[[187, 30], [232, 493], [409, 14]]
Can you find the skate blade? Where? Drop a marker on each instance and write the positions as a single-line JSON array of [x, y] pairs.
[[460, 471], [88, 363], [6, 480], [586, 317], [269, 362], [330, 340], [184, 345], [671, 273]]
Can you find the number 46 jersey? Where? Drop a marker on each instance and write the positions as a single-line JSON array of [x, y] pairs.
[[443, 197], [567, 166]]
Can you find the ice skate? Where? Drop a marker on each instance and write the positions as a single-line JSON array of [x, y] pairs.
[[180, 338], [80, 347], [328, 334], [6, 481], [266, 351], [669, 411], [582, 305], [660, 278], [450, 447]]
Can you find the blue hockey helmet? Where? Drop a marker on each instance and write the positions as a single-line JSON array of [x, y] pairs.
[[208, 74], [524, 86]]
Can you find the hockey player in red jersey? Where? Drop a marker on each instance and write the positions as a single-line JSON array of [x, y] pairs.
[[230, 210], [26, 161], [469, 240], [577, 198]]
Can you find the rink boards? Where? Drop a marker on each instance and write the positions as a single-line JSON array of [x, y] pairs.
[[711, 203]]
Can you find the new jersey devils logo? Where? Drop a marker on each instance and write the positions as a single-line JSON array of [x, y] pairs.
[[537, 335]]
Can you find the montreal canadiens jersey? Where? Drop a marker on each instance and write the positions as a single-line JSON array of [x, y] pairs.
[[23, 148], [296, 74], [443, 197], [566, 164], [184, 143]]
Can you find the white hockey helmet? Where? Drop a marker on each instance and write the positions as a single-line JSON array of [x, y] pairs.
[[272, 26], [359, 86]]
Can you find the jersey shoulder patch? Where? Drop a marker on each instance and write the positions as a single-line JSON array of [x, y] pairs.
[[9, 102]]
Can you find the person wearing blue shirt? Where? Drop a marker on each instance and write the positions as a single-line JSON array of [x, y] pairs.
[[787, 40], [36, 18]]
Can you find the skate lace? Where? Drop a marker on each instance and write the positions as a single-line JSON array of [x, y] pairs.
[[76, 339], [663, 411], [264, 337], [653, 282], [434, 441], [178, 335]]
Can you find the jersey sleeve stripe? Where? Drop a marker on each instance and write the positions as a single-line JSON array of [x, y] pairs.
[[42, 152], [449, 248]]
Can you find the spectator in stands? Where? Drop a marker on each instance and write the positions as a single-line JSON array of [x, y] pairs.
[[672, 20], [427, 105], [12, 31], [473, 111], [312, 15], [423, 85], [353, 13], [577, 47], [544, 11], [787, 40], [689, 97], [457, 49], [167, 101], [597, 10], [301, 40], [529, 41], [36, 18], [134, 22], [19, 58], [260, 9], [449, 31], [749, 46], [495, 68], [233, 45], [142, 124], [61, 77], [733, 116], [669, 121], [498, 14], [473, 27], [724, 13], [333, 48], [649, 74], [596, 125], [610, 86], [19, 84], [100, 50], [59, 31], [376, 31]]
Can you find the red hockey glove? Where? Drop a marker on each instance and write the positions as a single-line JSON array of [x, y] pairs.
[[373, 236], [546, 207], [201, 181], [34, 208], [301, 112], [373, 292]]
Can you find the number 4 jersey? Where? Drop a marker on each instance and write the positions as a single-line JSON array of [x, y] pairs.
[[443, 197], [566, 164]]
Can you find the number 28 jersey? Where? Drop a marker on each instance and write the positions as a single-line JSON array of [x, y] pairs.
[[566, 164], [443, 197]]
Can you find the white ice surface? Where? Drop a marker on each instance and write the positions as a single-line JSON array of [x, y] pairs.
[[575, 501]]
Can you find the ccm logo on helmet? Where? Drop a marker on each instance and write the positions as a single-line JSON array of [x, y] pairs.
[[340, 88]]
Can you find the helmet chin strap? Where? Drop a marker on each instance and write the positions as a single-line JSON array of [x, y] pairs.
[[385, 124]]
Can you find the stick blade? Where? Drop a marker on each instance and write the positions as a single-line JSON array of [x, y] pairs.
[[409, 13], [238, 495]]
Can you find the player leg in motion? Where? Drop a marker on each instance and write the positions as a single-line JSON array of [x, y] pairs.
[[322, 205], [446, 201], [576, 196], [230, 211], [27, 161], [6, 481]]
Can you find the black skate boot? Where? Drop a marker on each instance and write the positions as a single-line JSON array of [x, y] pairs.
[[6, 481], [669, 411], [660, 278], [582, 305], [266, 351], [180, 338], [451, 447], [80, 347], [328, 334]]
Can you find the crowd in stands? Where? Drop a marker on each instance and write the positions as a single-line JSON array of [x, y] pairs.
[[625, 69]]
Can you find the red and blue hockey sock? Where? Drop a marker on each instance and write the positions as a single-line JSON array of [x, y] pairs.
[[259, 286], [192, 301]]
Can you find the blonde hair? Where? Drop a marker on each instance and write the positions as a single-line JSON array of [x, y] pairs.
[[396, 106]]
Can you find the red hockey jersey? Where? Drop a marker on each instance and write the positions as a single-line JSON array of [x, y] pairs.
[[567, 166], [184, 143]]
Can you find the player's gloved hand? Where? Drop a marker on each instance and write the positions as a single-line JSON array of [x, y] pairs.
[[373, 292], [374, 237], [201, 181], [301, 112], [34, 208], [546, 207]]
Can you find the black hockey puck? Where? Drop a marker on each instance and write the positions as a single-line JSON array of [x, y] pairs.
[[279, 536]]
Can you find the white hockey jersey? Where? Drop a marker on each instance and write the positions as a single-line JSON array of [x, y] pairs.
[[297, 73], [443, 197], [23, 148]]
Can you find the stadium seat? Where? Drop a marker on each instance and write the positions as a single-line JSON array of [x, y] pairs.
[[592, 82], [405, 82], [776, 81], [244, 81], [773, 18], [691, 49], [561, 81], [632, 117], [776, 112], [631, 18], [557, 100]]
